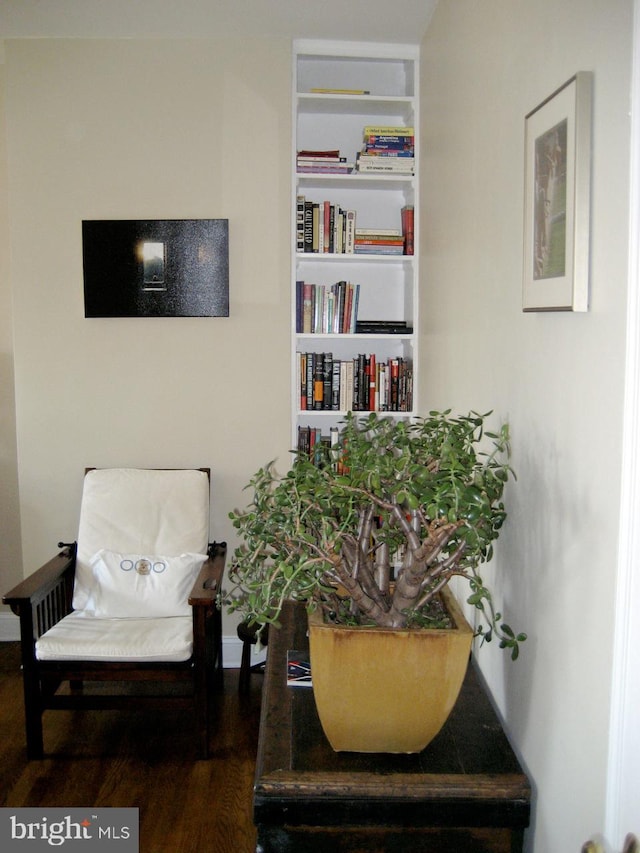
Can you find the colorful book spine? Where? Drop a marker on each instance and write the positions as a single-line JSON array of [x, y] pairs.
[[388, 130], [363, 383], [407, 219]]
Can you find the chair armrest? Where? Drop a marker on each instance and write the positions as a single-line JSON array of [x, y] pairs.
[[35, 588], [209, 580]]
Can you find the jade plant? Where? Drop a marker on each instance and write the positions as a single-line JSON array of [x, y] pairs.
[[372, 528]]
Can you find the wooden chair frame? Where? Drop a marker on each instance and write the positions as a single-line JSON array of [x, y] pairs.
[[42, 599]]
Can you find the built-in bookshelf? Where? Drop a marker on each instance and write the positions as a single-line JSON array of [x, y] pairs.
[[355, 226]]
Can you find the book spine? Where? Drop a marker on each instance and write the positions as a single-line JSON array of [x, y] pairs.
[[371, 369], [327, 379], [378, 250], [305, 152], [350, 232], [307, 308], [326, 226], [349, 387], [299, 306], [320, 227], [354, 309], [390, 140], [407, 218], [302, 379], [340, 232], [382, 388], [332, 228], [308, 226], [335, 386], [309, 383], [370, 151], [343, 386], [387, 130], [303, 440], [318, 381], [379, 241], [382, 232], [300, 223]]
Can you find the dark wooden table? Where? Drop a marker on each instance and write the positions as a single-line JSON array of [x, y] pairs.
[[465, 793]]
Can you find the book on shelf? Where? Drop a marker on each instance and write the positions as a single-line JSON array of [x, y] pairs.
[[298, 669], [378, 250], [318, 381], [388, 130], [326, 309], [325, 169], [381, 232], [407, 219], [389, 142], [387, 149], [330, 154], [323, 227], [349, 231], [364, 383], [384, 241], [300, 223], [372, 151], [321, 90], [383, 327], [387, 165]]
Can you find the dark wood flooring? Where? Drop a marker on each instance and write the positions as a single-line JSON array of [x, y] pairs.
[[148, 761]]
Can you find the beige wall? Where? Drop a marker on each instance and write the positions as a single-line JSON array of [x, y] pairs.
[[557, 378], [145, 129], [10, 552]]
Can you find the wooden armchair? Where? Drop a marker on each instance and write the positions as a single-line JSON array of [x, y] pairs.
[[132, 601]]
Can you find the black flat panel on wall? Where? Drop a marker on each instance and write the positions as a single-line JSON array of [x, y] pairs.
[[156, 268]]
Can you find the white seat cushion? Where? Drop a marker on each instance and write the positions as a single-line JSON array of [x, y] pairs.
[[139, 511], [80, 636]]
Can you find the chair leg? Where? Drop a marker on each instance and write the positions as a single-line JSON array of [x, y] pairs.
[[33, 714], [245, 667]]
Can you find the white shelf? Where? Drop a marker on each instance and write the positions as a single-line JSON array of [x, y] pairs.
[[357, 105], [356, 179], [331, 257]]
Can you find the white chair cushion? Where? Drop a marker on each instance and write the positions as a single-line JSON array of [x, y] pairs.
[[79, 636], [129, 585], [139, 511]]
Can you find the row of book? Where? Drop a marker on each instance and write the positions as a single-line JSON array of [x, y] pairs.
[[387, 150], [327, 309], [315, 444], [364, 383], [328, 162], [326, 228], [323, 227]]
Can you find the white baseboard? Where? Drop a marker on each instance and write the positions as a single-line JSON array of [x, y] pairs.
[[231, 646], [9, 627], [232, 653]]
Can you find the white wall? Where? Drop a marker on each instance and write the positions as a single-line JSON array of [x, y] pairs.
[[151, 129], [557, 378]]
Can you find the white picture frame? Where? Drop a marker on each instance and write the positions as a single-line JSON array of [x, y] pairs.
[[557, 196]]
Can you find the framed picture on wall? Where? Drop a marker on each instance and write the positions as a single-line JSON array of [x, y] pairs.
[[156, 267], [557, 199]]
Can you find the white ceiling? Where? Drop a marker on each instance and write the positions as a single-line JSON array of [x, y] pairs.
[[399, 21]]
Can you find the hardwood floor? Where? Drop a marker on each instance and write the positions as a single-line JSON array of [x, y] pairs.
[[113, 758]]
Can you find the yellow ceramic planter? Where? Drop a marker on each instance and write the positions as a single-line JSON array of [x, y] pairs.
[[383, 690]]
